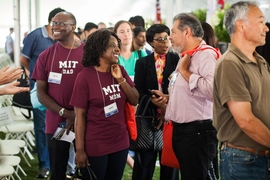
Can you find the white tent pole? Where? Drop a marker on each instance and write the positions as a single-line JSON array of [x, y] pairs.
[[17, 49], [37, 8], [178, 7], [169, 13], [211, 7], [29, 16]]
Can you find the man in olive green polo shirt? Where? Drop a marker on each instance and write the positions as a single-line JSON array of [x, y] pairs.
[[241, 97]]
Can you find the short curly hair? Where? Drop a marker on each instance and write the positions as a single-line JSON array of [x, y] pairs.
[[96, 45], [156, 29]]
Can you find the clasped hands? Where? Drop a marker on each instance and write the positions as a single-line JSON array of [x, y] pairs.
[[161, 103]]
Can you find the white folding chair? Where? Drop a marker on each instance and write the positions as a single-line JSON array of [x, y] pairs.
[[5, 60], [15, 130], [19, 130], [19, 118], [21, 144], [8, 150], [6, 172], [15, 162]]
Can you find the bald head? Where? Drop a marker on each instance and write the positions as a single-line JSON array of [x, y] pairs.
[[63, 26], [69, 15]]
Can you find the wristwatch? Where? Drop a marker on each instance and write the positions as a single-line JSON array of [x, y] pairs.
[[61, 112]]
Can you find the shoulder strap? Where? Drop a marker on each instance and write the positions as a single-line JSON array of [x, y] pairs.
[[26, 116], [143, 105], [190, 52], [214, 49]]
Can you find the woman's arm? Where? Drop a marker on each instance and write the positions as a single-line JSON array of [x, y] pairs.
[[131, 92], [81, 158]]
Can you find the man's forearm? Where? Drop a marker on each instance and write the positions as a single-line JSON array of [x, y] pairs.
[[257, 131]]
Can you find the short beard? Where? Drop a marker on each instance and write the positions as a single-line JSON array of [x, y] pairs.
[[179, 49]]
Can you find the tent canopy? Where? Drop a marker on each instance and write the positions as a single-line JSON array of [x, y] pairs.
[[26, 15]]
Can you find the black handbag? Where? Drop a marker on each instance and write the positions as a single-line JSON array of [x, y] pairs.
[[22, 100], [149, 137], [90, 174]]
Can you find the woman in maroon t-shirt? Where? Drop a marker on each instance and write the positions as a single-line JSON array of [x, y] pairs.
[[100, 92]]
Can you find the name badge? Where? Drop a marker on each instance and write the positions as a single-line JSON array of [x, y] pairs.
[[172, 77], [55, 78], [110, 109]]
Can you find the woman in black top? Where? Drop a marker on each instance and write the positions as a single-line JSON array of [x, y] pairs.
[[152, 72]]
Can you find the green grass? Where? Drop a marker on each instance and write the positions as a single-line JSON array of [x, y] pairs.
[[32, 171], [128, 173]]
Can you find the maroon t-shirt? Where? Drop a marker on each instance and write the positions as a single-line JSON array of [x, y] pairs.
[[56, 59], [92, 91]]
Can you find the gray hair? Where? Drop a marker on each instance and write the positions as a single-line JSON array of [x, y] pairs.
[[237, 11], [189, 20]]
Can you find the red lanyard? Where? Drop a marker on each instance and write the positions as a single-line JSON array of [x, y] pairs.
[[190, 52]]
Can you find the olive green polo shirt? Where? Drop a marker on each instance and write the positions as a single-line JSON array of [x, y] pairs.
[[237, 78]]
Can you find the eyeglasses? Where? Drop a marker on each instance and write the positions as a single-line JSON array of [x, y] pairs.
[[61, 24], [161, 39]]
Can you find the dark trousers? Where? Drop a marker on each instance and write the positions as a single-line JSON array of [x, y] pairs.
[[108, 167], [144, 167], [59, 154], [195, 146]]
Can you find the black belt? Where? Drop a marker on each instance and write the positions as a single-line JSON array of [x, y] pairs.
[[197, 122]]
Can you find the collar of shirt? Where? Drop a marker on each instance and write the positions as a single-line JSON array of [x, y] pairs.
[[44, 32], [159, 56]]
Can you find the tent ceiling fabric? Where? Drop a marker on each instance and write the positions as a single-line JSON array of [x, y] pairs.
[[95, 11], [111, 11], [107, 11]]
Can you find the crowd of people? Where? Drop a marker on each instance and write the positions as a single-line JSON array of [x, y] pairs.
[[84, 78]]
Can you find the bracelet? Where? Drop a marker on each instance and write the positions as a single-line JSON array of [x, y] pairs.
[[122, 81]]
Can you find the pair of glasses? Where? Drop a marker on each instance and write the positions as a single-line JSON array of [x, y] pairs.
[[61, 24], [161, 39]]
